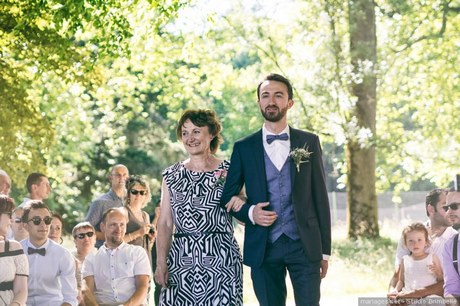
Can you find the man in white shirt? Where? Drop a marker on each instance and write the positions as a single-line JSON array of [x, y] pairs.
[[118, 273], [38, 186], [51, 267]]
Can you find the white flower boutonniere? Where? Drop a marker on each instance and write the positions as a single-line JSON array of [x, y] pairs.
[[221, 176], [300, 155]]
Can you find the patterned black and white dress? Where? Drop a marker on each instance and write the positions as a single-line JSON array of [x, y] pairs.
[[205, 265]]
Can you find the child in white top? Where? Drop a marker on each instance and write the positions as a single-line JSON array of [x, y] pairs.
[[419, 269]]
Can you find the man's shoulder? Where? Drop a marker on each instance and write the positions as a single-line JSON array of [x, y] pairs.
[[301, 133], [59, 251], [249, 138], [107, 198]]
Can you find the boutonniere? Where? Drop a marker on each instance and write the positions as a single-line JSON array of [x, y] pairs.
[[300, 155], [221, 176]]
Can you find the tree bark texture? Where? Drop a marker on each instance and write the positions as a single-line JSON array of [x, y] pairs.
[[362, 213]]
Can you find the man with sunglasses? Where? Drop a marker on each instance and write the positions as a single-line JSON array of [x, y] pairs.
[[451, 253], [52, 268], [440, 230], [113, 198]]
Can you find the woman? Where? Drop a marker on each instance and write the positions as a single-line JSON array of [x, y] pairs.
[[13, 262], [139, 231], [84, 236], [202, 265], [56, 228]]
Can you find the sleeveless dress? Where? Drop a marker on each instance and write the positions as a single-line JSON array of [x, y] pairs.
[[204, 262], [416, 273], [12, 263], [133, 225]]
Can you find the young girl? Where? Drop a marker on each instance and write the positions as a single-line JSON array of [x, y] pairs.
[[419, 269]]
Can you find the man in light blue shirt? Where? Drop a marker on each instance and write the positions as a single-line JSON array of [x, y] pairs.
[[51, 267], [113, 198]]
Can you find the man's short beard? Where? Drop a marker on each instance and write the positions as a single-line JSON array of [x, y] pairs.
[[275, 117]]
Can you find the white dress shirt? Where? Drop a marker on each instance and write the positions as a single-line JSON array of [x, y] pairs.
[[278, 150], [51, 277], [115, 270]]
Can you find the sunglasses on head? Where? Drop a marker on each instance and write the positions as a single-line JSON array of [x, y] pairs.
[[38, 220], [82, 235], [135, 192], [452, 206]]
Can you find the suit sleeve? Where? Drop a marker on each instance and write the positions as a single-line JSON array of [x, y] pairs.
[[321, 199], [234, 183]]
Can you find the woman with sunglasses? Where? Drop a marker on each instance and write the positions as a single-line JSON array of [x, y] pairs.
[[17, 227], [85, 241], [139, 231], [13, 261]]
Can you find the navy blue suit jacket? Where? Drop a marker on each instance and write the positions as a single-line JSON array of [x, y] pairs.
[[309, 195]]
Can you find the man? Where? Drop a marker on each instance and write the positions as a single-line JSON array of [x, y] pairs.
[[440, 230], [287, 212], [52, 268], [38, 186], [113, 198], [118, 273], [5, 183], [450, 261]]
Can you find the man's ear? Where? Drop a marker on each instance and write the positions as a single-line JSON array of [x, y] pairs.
[[102, 227], [290, 103], [430, 210]]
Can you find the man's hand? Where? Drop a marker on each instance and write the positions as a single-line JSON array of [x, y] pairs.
[[324, 267], [263, 217]]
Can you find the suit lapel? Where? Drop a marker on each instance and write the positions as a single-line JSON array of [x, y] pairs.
[[296, 142], [259, 161]]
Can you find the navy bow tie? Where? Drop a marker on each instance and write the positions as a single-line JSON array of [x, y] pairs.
[[272, 138], [38, 251]]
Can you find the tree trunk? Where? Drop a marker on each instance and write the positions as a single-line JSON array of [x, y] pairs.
[[362, 214]]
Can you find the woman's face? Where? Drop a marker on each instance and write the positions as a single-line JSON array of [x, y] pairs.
[[196, 139], [137, 195], [55, 230]]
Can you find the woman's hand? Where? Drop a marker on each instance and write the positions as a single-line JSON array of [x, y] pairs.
[[235, 203], [162, 275]]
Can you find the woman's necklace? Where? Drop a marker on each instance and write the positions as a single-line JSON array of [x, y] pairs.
[[137, 213], [206, 166]]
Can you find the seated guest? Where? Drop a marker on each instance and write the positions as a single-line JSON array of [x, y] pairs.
[[118, 273], [139, 231], [452, 252], [56, 228], [84, 236], [18, 232], [14, 266], [52, 278]]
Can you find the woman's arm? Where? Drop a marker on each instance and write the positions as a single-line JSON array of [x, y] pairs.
[[164, 238]]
